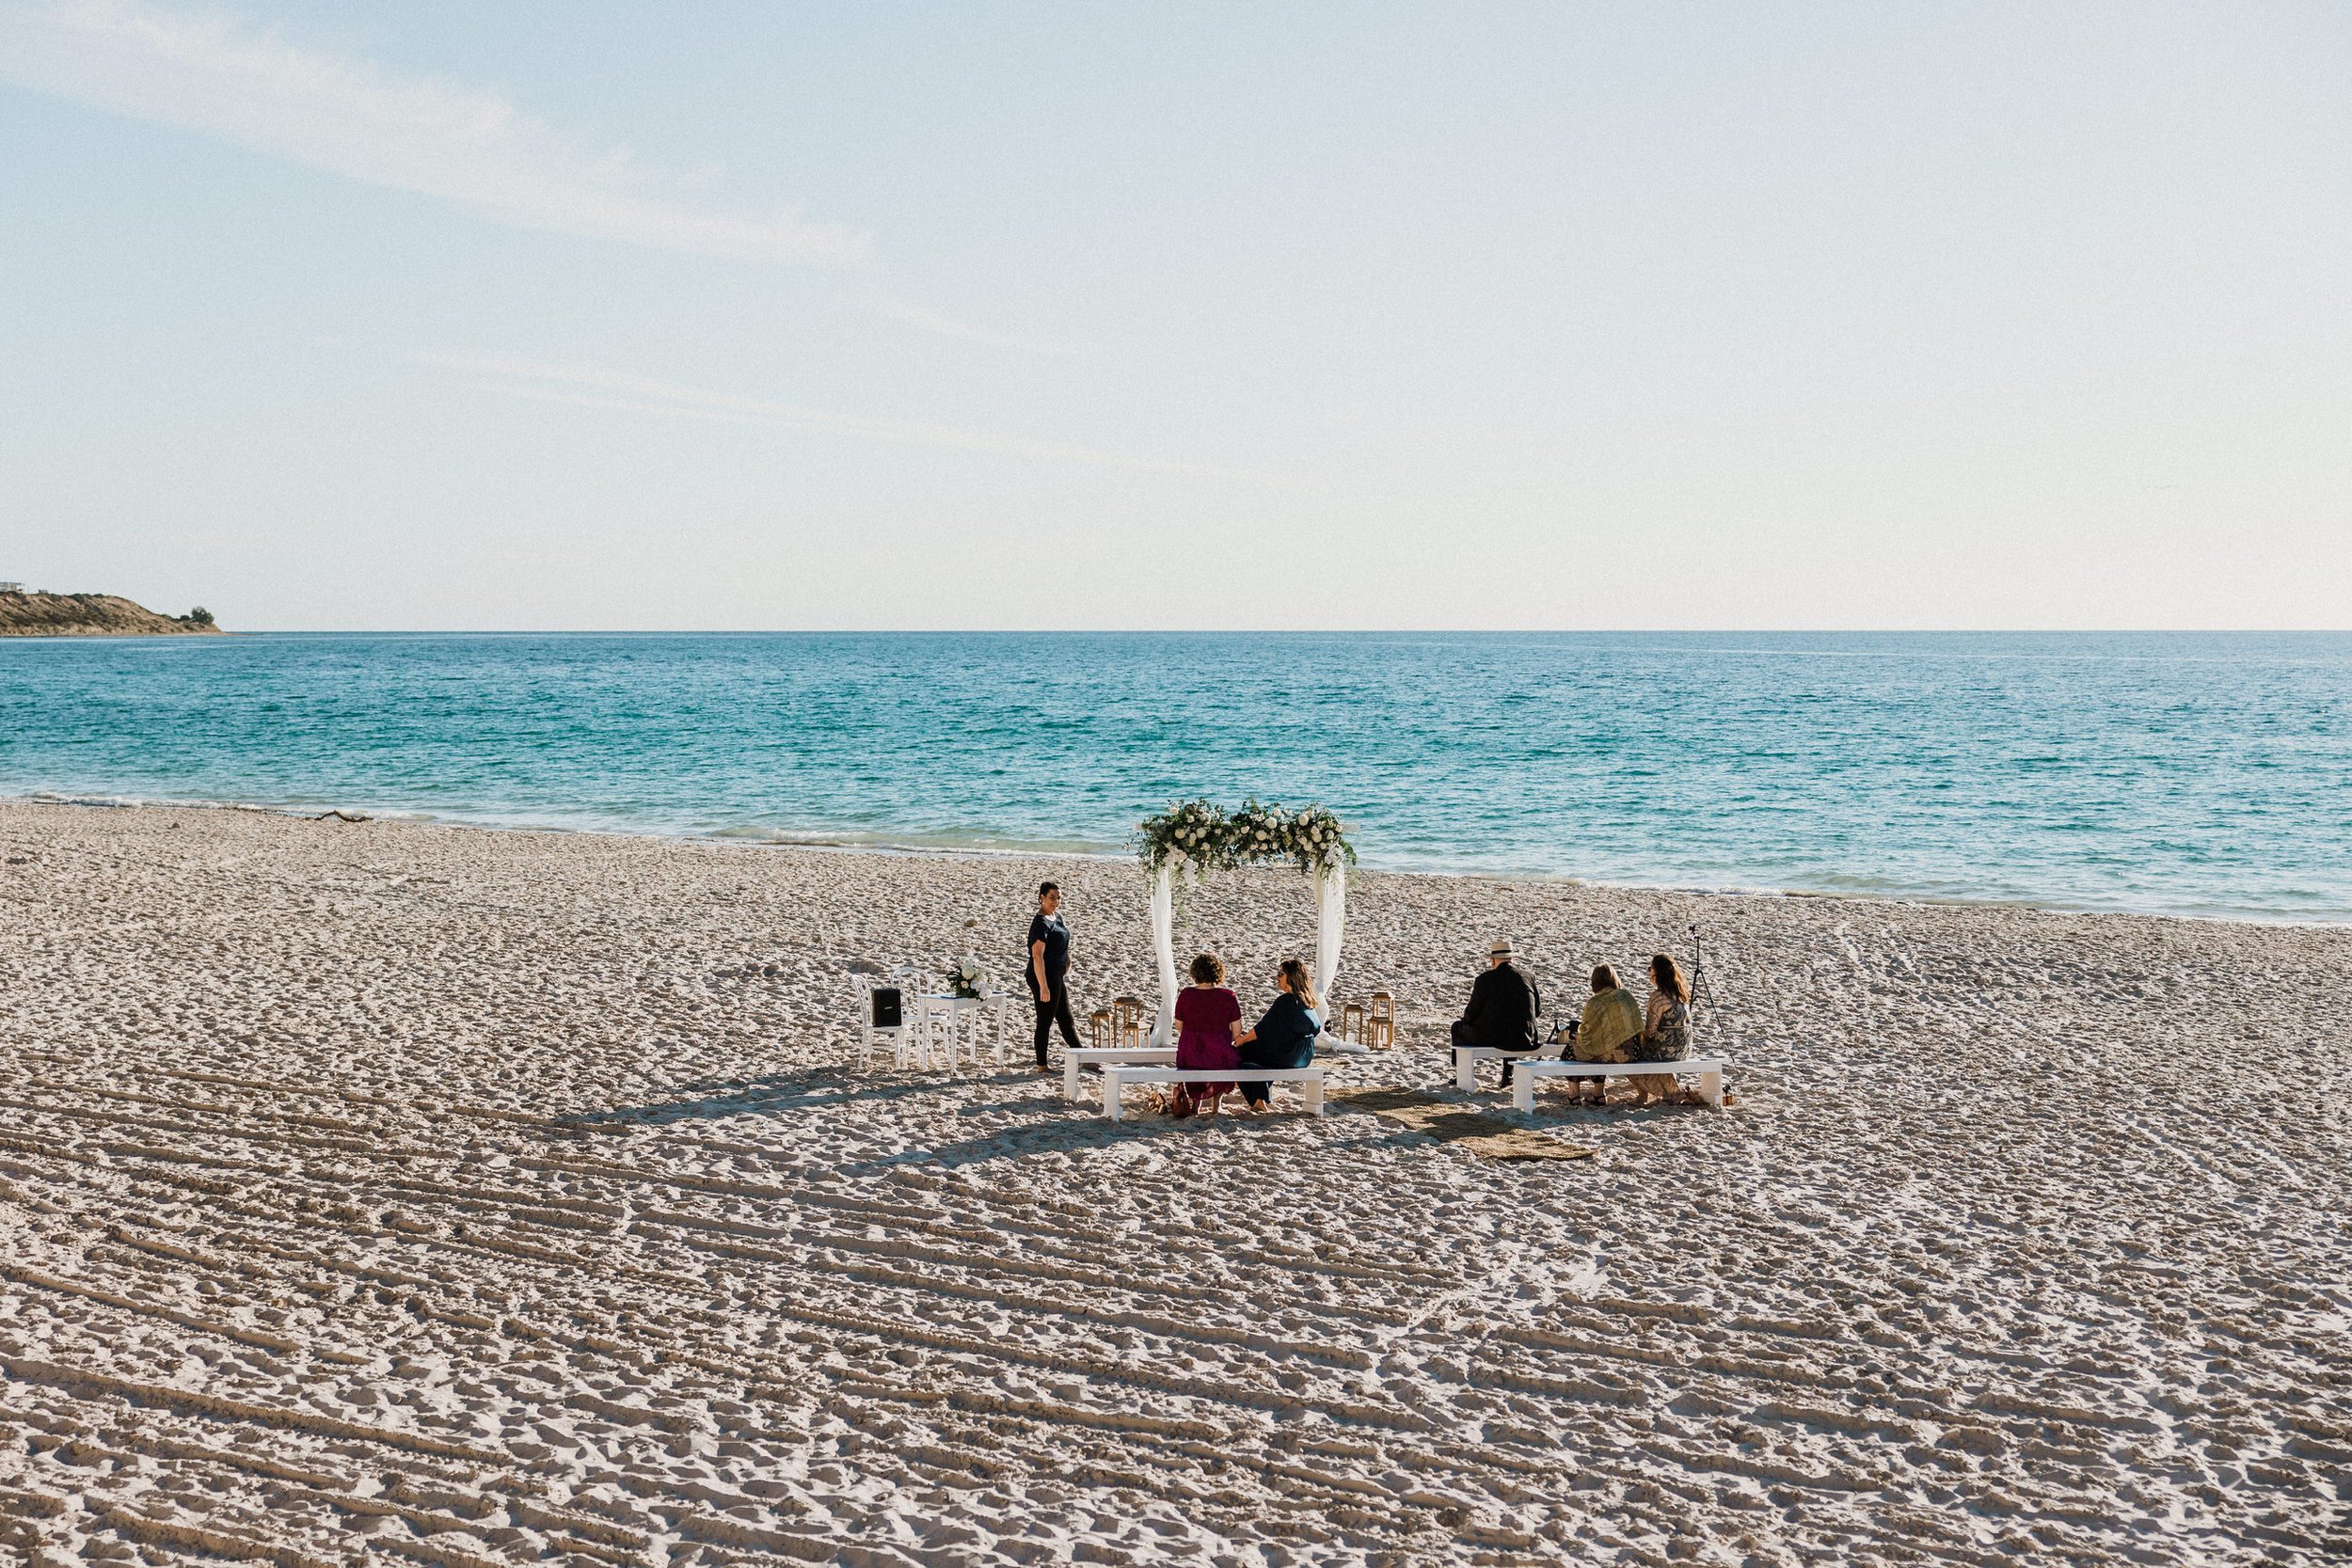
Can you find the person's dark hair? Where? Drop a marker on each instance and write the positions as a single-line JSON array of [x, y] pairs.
[[1666, 977], [1302, 983], [1604, 978], [1044, 888], [1208, 970]]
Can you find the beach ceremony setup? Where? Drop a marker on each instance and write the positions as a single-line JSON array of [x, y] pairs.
[[905, 1012], [1322, 785], [920, 1025]]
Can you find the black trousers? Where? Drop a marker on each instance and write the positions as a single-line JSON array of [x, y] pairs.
[[1050, 1013], [1462, 1038], [1258, 1053]]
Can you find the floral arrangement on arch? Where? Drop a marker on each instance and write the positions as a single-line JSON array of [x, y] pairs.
[[1198, 835]]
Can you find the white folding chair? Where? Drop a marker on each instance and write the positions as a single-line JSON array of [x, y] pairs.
[[936, 1025], [944, 1023], [883, 996]]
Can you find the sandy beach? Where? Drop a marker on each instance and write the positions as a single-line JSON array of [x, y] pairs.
[[375, 1191]]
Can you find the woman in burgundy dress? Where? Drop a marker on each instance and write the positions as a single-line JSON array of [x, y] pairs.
[[1206, 1012]]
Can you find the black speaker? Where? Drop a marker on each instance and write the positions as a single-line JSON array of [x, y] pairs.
[[886, 1007]]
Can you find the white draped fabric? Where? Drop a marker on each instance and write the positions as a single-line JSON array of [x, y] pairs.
[[1164, 946], [1330, 926]]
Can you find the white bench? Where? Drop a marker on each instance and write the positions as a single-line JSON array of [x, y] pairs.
[[1467, 1057], [1105, 1056], [1708, 1068], [1117, 1077]]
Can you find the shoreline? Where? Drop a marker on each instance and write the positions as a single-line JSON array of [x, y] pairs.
[[2260, 920], [83, 633]]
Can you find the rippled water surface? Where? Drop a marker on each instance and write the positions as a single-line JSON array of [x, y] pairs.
[[2195, 774]]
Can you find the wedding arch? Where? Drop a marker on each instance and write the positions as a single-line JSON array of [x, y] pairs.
[[1196, 836]]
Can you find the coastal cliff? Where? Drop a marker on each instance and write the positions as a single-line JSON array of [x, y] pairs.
[[36, 615]]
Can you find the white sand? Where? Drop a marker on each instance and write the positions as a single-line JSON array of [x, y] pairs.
[[480, 1198]]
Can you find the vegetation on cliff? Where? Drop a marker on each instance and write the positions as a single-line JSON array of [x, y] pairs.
[[36, 615]]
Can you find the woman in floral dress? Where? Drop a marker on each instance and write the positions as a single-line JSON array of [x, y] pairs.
[[1665, 1033]]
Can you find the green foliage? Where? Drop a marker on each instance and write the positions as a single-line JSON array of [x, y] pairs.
[[1189, 830], [1199, 832], [199, 616]]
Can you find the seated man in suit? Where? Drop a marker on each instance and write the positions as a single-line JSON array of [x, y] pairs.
[[1504, 1007]]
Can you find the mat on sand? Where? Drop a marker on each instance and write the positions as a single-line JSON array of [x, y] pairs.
[[1483, 1135]]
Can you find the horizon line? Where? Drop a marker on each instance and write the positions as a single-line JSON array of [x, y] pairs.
[[1227, 631]]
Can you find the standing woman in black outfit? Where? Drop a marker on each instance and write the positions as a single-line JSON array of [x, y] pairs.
[[1048, 971]]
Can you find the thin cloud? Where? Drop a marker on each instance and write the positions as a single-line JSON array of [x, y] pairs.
[[946, 327], [205, 73], [591, 387]]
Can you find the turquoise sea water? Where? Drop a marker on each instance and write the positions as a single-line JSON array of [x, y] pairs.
[[2189, 773]]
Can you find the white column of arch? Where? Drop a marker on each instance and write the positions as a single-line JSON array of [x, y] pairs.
[[1164, 948], [1330, 926]]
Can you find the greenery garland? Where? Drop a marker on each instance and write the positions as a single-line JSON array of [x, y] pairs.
[[1196, 832]]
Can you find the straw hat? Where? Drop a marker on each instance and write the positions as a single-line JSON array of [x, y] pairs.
[[1499, 948]]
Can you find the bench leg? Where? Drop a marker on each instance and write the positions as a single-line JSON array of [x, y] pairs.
[[1466, 1073], [1069, 1070], [1111, 1085], [1523, 1091], [1711, 1086], [1315, 1095]]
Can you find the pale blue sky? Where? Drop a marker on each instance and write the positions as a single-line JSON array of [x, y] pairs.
[[454, 315]]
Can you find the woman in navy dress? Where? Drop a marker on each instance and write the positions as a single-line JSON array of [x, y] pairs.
[[1285, 1037]]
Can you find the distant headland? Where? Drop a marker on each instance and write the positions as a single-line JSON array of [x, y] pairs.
[[25, 613]]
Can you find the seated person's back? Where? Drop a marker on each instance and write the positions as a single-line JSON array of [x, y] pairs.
[[1503, 1005], [1285, 1037], [1613, 1020], [1665, 1031], [1205, 1015]]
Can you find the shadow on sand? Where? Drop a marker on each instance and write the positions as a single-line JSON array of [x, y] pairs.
[[1066, 1127], [782, 1091], [1014, 1143]]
